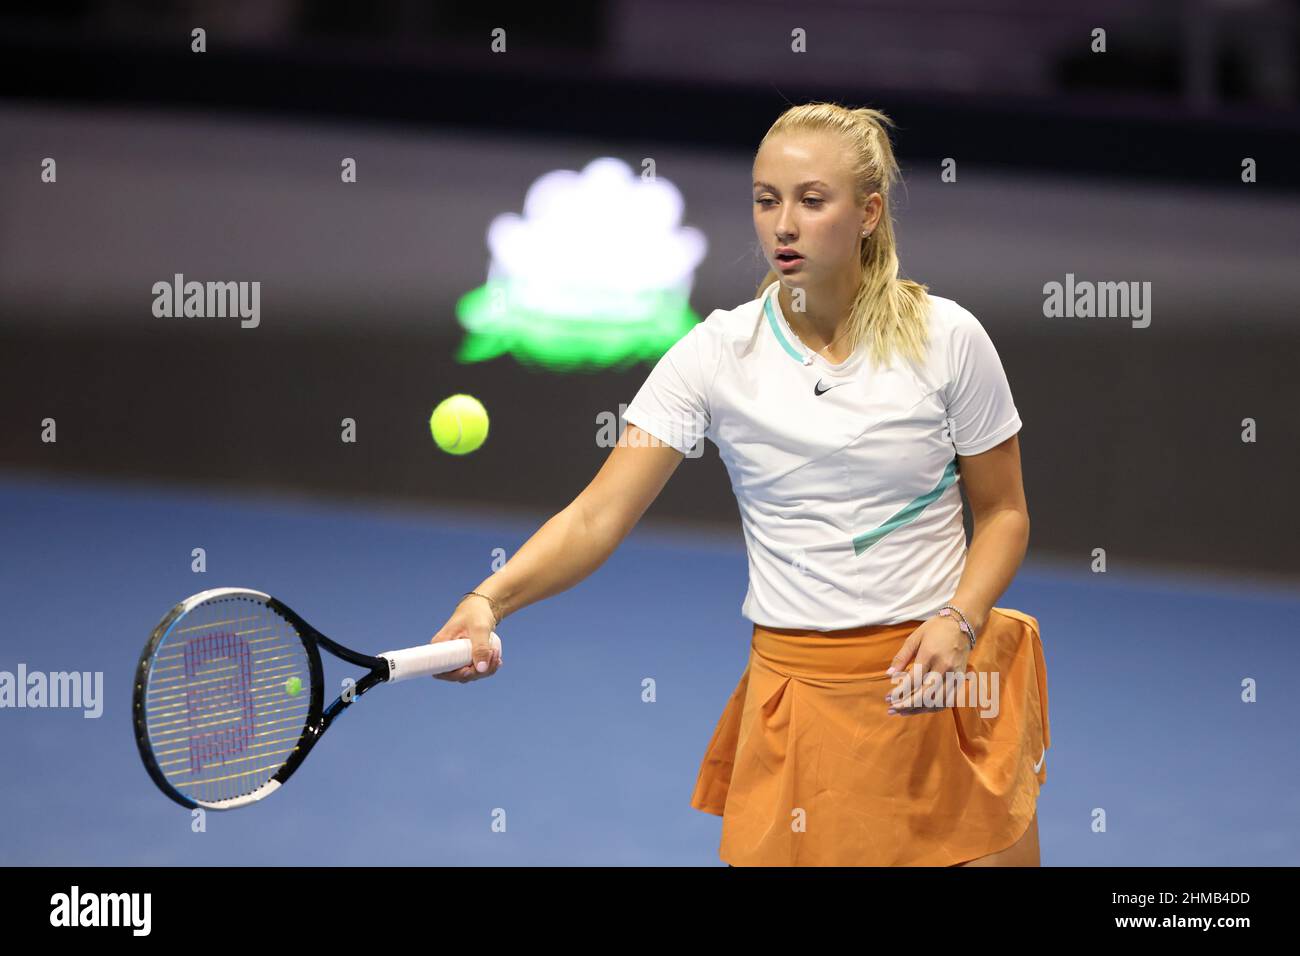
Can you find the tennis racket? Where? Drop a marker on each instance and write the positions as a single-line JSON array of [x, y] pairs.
[[229, 694]]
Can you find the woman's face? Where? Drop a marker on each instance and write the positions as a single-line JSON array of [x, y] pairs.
[[804, 204]]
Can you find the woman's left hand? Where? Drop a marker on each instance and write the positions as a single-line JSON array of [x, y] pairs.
[[936, 648]]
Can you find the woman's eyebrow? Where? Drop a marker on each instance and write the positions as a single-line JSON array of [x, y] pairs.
[[803, 185]]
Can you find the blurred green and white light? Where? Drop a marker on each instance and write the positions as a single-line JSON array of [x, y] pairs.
[[597, 272]]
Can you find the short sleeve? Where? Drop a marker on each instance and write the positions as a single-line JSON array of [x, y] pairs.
[[978, 395], [673, 403]]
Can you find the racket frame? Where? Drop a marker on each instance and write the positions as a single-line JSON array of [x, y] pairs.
[[318, 719]]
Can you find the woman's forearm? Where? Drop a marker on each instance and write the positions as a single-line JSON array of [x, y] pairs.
[[997, 548], [561, 553]]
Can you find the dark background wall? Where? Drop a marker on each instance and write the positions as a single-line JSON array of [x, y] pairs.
[[1124, 166]]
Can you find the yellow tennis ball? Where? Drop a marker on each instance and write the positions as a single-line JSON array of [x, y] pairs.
[[459, 424]]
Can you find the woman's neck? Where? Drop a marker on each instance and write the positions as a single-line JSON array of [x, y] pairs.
[[824, 318]]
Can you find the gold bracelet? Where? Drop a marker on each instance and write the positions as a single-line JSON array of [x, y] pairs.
[[492, 605]]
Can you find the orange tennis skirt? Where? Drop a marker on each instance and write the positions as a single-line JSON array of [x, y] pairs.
[[806, 768]]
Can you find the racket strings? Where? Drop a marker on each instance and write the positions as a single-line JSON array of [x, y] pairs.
[[229, 693]]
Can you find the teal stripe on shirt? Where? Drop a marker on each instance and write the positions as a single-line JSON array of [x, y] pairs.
[[909, 513], [776, 329]]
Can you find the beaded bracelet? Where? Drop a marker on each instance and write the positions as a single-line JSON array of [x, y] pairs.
[[949, 610], [492, 605]]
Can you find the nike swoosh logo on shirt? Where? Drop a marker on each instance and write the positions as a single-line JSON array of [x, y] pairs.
[[818, 390], [1039, 765]]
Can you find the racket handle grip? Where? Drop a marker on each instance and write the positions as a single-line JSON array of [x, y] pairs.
[[429, 659]]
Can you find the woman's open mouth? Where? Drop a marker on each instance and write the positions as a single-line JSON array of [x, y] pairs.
[[786, 261]]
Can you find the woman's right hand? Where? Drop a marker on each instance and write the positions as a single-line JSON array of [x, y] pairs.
[[472, 619]]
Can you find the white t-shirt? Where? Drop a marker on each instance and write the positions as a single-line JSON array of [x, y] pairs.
[[846, 476]]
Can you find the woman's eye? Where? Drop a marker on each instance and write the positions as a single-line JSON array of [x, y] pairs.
[[764, 201], [814, 200]]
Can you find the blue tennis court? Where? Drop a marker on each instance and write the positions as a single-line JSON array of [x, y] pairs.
[[561, 758]]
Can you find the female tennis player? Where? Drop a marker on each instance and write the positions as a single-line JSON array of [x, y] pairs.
[[889, 714]]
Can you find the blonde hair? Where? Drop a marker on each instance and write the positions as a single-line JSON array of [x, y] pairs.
[[888, 313]]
